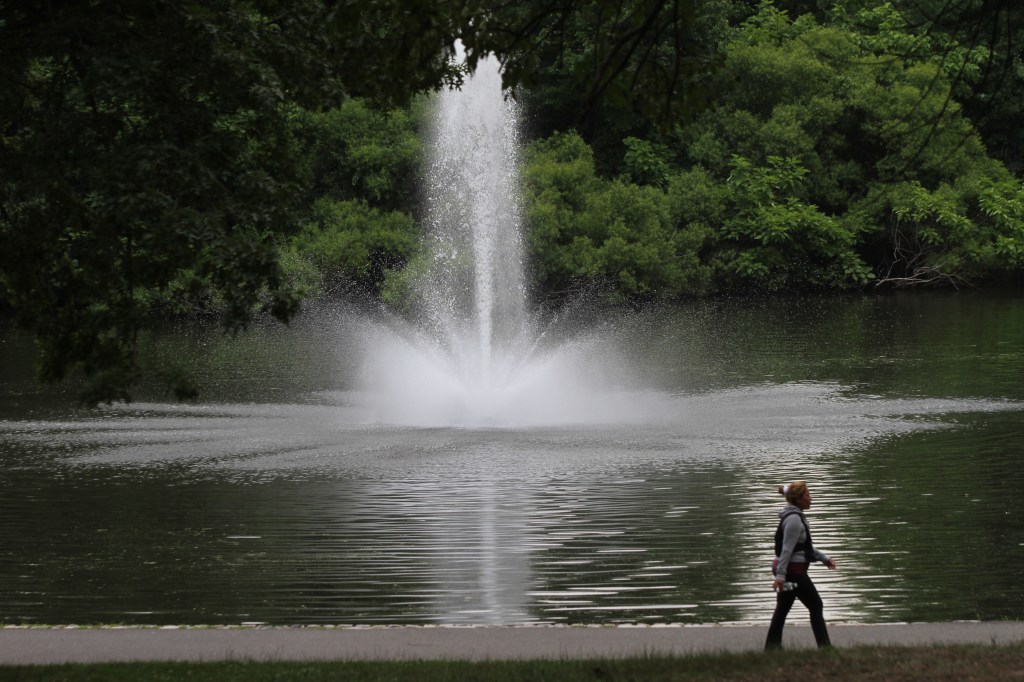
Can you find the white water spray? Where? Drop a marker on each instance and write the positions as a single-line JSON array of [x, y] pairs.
[[473, 293], [472, 355]]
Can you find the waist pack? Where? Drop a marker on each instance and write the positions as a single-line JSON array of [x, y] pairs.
[[794, 568]]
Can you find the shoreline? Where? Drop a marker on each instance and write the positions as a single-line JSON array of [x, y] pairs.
[[36, 644]]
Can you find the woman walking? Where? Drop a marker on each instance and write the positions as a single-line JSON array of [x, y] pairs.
[[794, 552]]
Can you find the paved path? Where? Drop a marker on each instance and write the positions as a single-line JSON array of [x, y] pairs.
[[65, 644]]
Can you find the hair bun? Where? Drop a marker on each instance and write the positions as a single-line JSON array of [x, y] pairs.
[[782, 490]]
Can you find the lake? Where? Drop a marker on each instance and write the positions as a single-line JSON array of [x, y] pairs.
[[289, 495]]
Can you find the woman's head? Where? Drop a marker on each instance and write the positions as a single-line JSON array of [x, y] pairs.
[[797, 494]]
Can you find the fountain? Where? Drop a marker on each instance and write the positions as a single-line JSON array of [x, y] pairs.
[[472, 354]]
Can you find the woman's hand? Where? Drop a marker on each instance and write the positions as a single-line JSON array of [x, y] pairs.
[[777, 584], [831, 563]]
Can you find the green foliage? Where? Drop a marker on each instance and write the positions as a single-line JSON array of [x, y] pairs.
[[772, 240], [399, 288], [147, 150], [357, 152], [614, 71], [646, 162], [770, 25], [1002, 203], [348, 242], [585, 229], [977, 44], [833, 156], [959, 233], [128, 160], [839, 150]]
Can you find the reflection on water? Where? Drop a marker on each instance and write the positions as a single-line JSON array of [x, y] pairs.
[[301, 508]]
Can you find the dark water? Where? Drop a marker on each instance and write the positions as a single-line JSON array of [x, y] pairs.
[[281, 499]]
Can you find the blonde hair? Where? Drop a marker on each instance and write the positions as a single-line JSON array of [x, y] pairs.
[[793, 491]]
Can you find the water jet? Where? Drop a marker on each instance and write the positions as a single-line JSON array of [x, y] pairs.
[[472, 353]]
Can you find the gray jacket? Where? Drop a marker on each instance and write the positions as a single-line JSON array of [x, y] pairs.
[[792, 533]]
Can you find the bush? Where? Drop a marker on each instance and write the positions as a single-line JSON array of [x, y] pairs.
[[348, 242]]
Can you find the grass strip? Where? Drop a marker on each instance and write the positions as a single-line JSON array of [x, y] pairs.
[[962, 663]]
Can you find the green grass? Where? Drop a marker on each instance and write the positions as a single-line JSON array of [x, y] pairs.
[[888, 664]]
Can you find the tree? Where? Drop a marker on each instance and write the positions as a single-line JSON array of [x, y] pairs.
[[348, 243], [845, 147], [587, 230], [141, 144], [611, 71], [147, 145], [989, 85], [359, 152]]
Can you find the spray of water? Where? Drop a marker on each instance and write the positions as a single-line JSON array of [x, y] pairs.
[[472, 354], [473, 294]]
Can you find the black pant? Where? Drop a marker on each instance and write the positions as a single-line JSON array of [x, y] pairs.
[[808, 596]]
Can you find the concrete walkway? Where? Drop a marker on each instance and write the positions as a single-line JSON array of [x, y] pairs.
[[104, 644]]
